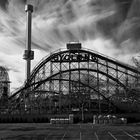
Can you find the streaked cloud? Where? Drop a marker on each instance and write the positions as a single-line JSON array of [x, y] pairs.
[[108, 26]]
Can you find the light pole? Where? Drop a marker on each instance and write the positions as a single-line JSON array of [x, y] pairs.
[[82, 112]]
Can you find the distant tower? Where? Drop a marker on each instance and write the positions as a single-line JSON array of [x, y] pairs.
[[28, 54]]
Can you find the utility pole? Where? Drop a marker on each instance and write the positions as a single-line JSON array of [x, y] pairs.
[[28, 54]]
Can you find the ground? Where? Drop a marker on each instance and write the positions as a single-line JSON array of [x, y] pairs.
[[42, 131]]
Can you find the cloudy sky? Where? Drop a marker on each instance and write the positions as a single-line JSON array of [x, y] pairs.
[[111, 27]]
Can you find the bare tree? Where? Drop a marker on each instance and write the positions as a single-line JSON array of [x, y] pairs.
[[136, 62]]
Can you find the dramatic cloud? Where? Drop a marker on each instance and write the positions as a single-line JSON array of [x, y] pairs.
[[111, 27]]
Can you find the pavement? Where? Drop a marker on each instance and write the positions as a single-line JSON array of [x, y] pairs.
[[44, 131]]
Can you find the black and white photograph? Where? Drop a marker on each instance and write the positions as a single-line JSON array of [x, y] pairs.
[[69, 69]]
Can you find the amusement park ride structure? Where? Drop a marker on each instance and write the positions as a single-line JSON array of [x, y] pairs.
[[29, 54], [72, 78]]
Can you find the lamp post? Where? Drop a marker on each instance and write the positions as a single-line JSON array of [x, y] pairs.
[[82, 112]]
